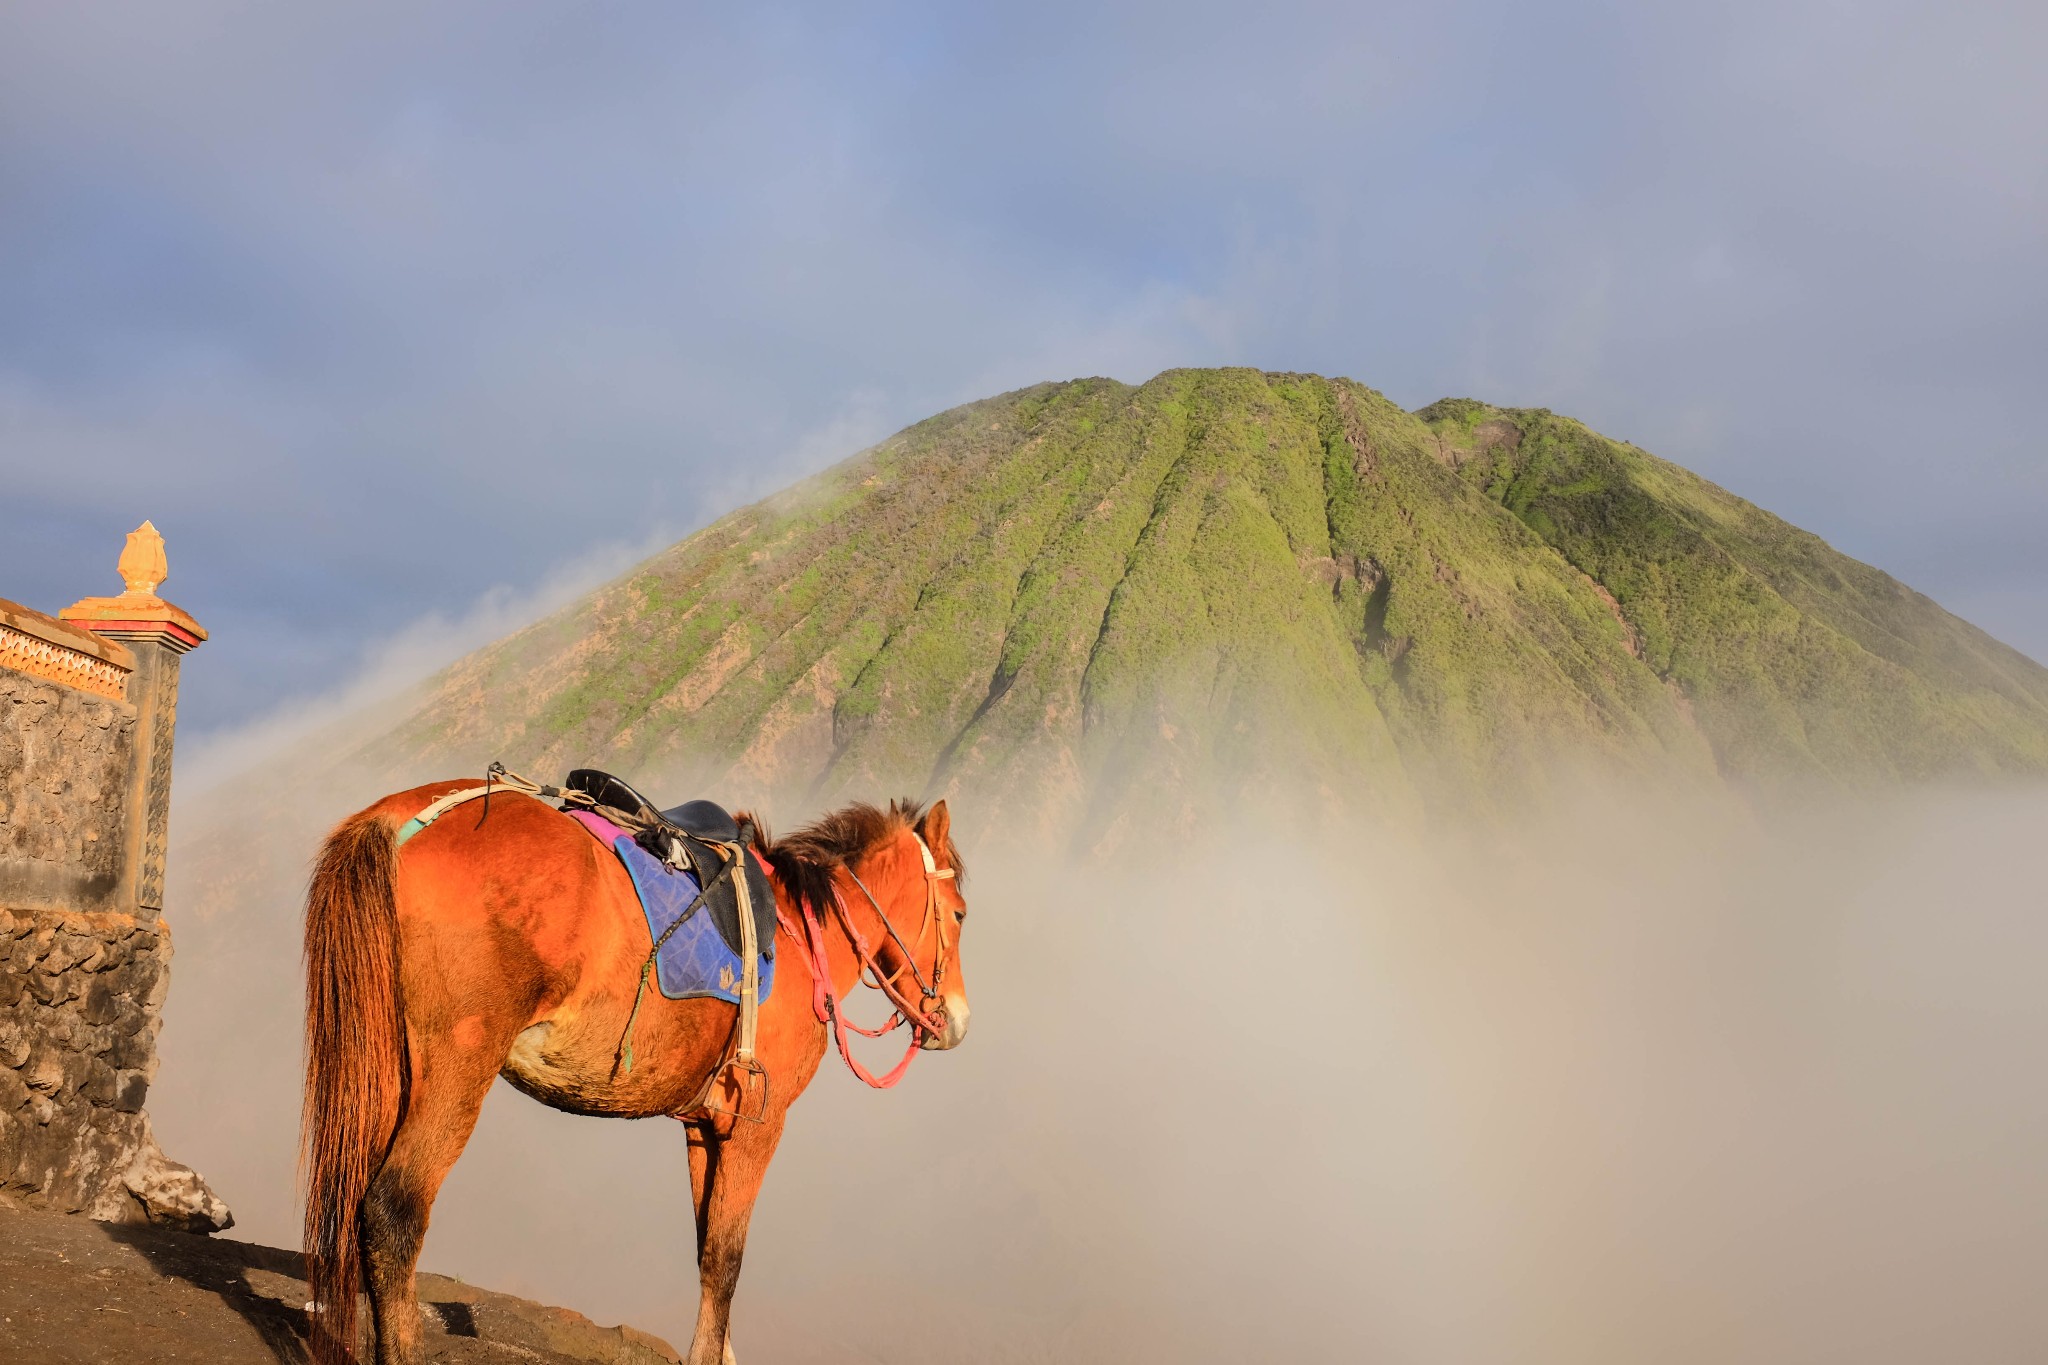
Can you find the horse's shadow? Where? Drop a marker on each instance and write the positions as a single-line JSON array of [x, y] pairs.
[[266, 1287], [235, 1273]]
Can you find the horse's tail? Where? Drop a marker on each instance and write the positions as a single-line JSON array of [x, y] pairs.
[[355, 1061]]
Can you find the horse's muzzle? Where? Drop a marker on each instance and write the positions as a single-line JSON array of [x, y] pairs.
[[954, 1012]]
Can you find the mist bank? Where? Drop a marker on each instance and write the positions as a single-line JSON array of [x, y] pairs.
[[1621, 1079]]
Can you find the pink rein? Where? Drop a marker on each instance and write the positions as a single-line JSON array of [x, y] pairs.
[[830, 1008]]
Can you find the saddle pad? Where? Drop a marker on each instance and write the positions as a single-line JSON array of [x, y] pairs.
[[707, 819], [695, 963]]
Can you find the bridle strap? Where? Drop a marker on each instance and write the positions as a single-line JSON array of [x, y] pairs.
[[829, 1008], [933, 876], [914, 1014], [926, 991]]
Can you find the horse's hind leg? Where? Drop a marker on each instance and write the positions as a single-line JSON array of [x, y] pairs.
[[448, 1088]]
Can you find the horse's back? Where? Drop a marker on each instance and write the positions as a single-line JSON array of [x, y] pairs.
[[513, 892]]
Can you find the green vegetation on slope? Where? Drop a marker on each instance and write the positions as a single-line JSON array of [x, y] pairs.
[[1795, 656], [1091, 603]]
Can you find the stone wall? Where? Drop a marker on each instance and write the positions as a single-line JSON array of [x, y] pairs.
[[65, 758], [80, 996], [88, 705]]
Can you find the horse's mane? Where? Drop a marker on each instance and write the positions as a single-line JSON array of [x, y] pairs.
[[805, 860]]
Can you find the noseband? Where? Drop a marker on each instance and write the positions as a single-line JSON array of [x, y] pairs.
[[926, 1017]]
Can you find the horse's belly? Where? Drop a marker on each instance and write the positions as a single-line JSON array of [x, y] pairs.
[[542, 1066], [539, 1071], [568, 1068]]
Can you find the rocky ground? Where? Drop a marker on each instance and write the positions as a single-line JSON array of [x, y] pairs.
[[76, 1292]]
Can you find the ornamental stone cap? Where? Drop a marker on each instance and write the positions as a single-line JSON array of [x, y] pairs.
[[142, 565], [138, 613]]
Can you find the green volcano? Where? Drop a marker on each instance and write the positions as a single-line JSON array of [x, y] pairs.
[[1088, 603]]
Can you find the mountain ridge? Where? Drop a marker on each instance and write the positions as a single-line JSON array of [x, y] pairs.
[[1091, 603]]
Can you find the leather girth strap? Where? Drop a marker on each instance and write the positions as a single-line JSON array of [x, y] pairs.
[[740, 1063]]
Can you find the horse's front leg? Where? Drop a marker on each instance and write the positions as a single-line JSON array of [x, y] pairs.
[[700, 1186], [725, 1177]]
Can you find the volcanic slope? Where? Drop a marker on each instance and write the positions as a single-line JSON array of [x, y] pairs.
[[1090, 604]]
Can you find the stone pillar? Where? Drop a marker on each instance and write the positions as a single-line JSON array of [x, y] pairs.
[[158, 635], [88, 706]]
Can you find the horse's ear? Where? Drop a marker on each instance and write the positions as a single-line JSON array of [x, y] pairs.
[[935, 827]]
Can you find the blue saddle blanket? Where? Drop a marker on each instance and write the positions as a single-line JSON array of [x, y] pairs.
[[695, 963]]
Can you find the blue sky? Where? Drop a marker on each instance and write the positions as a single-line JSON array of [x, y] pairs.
[[402, 321]]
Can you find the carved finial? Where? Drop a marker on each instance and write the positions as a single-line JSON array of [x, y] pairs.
[[143, 566]]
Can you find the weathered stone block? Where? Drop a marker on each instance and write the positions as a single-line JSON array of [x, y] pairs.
[[133, 1051], [129, 1018], [64, 988], [137, 979], [23, 955], [44, 1070], [175, 1195], [70, 1109], [73, 1068], [13, 1136], [70, 949], [72, 1166], [13, 1092], [100, 1005], [160, 988], [99, 1087], [131, 1089], [58, 1027]]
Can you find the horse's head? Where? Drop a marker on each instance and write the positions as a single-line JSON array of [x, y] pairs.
[[913, 875], [892, 878]]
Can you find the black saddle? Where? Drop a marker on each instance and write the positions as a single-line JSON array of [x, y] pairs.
[[688, 833]]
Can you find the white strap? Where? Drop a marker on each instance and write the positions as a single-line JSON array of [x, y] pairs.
[[439, 808], [750, 954], [931, 864]]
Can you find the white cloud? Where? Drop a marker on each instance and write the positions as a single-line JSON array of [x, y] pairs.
[[391, 665]]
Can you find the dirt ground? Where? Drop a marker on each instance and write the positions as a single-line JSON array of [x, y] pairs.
[[76, 1292]]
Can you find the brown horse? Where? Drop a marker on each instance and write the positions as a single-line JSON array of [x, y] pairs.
[[504, 940]]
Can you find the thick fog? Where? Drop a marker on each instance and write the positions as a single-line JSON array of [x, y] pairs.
[[1628, 1083]]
